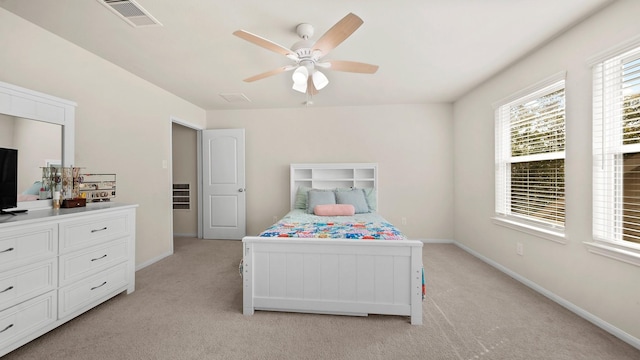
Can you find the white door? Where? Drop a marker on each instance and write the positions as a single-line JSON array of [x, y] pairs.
[[223, 184]]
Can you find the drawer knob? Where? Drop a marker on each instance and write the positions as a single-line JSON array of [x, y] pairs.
[[7, 250], [101, 285], [101, 257], [7, 328], [96, 230], [7, 289]]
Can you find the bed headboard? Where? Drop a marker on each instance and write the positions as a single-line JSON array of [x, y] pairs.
[[333, 175]]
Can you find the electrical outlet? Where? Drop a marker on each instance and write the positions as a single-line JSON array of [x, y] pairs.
[[275, 219], [404, 221], [519, 249]]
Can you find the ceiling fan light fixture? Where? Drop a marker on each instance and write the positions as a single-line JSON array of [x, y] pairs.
[[307, 54], [319, 80], [301, 87], [300, 75]]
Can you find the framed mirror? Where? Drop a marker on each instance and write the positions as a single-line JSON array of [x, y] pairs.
[[41, 123]]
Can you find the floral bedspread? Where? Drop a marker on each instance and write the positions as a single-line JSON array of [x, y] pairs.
[[336, 230]]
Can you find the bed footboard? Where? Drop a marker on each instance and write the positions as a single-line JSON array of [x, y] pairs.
[[333, 276]]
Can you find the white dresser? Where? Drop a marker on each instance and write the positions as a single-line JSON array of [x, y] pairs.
[[57, 264]]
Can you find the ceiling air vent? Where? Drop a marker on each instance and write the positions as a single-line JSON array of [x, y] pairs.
[[131, 12], [235, 97]]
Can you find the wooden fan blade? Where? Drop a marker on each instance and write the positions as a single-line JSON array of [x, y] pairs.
[[269, 73], [260, 41], [338, 33], [352, 66], [311, 89]]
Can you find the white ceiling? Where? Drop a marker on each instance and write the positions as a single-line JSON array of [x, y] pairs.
[[428, 50]]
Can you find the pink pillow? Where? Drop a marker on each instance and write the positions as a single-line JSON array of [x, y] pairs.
[[334, 210]]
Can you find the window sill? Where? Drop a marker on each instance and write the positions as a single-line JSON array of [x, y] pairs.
[[550, 234], [627, 254]]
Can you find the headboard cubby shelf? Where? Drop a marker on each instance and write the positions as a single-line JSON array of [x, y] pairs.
[[333, 175]]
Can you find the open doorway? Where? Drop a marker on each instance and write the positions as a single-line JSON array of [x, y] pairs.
[[184, 180]]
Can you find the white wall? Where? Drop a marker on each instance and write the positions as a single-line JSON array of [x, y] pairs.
[[412, 145], [605, 288], [123, 123]]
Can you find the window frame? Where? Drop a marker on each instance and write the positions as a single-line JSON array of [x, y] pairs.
[[502, 216], [612, 246]]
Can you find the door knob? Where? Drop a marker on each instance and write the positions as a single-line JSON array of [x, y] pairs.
[[241, 190]]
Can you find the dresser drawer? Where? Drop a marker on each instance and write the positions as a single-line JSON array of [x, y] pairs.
[[26, 282], [78, 264], [27, 244], [26, 318], [92, 230], [92, 290]]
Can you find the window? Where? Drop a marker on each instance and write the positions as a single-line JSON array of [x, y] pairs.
[[530, 152], [616, 154]]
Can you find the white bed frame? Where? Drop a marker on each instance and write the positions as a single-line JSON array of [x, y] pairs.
[[333, 276]]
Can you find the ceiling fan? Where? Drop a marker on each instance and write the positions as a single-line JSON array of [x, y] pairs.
[[307, 55]]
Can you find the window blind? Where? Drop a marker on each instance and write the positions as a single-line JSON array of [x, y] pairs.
[[530, 151], [616, 146]]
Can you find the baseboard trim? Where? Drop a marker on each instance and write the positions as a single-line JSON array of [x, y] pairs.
[[185, 235], [154, 260], [631, 340], [436, 241]]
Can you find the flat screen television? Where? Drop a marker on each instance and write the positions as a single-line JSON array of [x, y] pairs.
[[8, 178]]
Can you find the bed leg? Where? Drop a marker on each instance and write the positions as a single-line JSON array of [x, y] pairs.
[[416, 286], [416, 309], [416, 320], [247, 281]]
